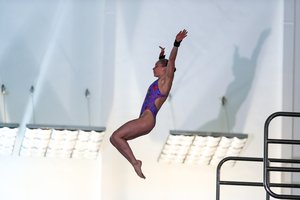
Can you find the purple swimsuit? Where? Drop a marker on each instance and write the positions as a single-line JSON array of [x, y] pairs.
[[149, 102]]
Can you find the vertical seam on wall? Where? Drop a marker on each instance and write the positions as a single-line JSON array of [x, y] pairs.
[[294, 63], [293, 76]]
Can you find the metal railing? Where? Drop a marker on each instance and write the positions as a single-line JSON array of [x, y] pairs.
[[267, 161], [236, 183], [267, 168]]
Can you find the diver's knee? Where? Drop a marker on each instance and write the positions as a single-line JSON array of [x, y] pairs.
[[113, 139]]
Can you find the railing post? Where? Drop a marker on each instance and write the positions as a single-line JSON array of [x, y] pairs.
[[266, 161]]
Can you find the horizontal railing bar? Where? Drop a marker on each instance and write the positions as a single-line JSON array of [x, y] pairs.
[[282, 141], [283, 169], [285, 185], [239, 183], [259, 184], [280, 160], [237, 158], [255, 159]]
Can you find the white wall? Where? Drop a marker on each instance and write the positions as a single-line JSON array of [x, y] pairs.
[[233, 49], [56, 47], [36, 178], [292, 66]]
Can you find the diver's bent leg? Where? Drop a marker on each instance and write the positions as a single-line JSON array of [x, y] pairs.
[[130, 130]]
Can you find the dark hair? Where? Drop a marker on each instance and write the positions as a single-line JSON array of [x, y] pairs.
[[165, 62]]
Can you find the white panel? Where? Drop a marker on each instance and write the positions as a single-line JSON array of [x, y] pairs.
[[7, 140]]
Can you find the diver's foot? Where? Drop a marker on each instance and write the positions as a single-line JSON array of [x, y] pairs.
[[138, 169]]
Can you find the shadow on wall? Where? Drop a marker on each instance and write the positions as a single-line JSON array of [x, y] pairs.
[[237, 91]]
